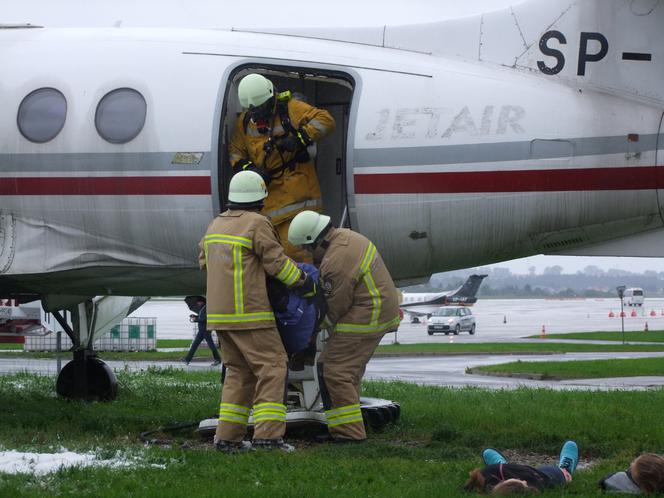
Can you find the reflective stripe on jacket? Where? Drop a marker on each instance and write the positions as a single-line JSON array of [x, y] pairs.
[[297, 189], [361, 296], [238, 249]]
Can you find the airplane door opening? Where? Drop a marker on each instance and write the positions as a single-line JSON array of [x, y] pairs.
[[332, 91]]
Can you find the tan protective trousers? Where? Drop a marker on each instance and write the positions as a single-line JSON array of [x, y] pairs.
[[343, 364], [256, 370]]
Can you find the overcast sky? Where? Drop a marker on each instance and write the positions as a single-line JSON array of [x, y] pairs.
[[572, 264]]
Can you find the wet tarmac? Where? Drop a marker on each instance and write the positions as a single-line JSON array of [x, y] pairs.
[[427, 370], [501, 320]]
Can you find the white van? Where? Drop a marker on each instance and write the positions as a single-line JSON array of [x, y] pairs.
[[634, 296]]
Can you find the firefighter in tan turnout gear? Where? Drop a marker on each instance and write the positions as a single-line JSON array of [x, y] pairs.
[[239, 247], [362, 305], [274, 137]]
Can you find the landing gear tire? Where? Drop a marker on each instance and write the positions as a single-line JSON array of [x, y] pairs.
[[457, 329], [414, 320], [377, 413], [472, 329], [99, 383]]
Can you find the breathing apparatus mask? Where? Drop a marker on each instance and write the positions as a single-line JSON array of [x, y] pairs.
[[261, 115]]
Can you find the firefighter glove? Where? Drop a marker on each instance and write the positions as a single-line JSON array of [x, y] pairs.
[[289, 143], [308, 289]]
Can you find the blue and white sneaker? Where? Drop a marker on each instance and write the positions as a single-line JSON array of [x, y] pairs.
[[493, 457], [569, 456]]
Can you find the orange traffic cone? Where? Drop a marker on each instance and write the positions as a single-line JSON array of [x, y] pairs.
[[652, 313], [622, 314], [543, 333], [633, 313], [646, 327], [611, 314]]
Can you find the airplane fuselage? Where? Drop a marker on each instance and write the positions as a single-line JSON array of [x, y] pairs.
[[442, 163]]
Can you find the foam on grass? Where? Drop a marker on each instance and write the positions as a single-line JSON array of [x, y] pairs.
[[19, 462]]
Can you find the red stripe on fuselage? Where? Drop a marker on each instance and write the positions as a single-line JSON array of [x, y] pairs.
[[119, 185], [550, 180]]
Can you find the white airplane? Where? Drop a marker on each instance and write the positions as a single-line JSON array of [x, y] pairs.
[[420, 304], [535, 128]]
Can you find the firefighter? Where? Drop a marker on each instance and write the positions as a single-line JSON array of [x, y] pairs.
[[239, 247], [362, 306], [275, 136]]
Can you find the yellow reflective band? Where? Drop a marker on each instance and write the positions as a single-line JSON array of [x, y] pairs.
[[343, 410], [308, 204], [367, 259], [234, 408], [237, 280], [327, 323], [272, 406], [270, 415], [289, 274], [343, 421], [229, 239], [236, 419], [379, 327], [240, 318], [376, 301]]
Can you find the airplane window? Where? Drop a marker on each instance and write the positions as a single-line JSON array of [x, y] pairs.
[[42, 115], [120, 115]]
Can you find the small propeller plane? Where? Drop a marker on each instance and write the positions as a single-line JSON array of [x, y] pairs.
[[533, 128]]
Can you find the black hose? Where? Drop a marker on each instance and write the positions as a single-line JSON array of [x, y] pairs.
[[145, 435]]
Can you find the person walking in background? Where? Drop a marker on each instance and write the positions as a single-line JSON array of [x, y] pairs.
[[502, 478], [202, 334]]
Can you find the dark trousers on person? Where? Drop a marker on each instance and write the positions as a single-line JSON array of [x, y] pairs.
[[200, 336], [554, 473]]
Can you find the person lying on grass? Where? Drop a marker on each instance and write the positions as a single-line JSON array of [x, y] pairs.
[[644, 475], [502, 478]]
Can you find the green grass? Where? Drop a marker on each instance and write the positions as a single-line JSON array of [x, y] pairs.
[[428, 453], [592, 369], [173, 343], [652, 336], [10, 346]]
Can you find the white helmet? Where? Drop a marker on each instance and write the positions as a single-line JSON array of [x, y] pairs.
[[306, 227], [247, 187], [254, 90]]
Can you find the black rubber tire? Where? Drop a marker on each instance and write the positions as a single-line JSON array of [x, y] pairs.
[[472, 330], [377, 417], [395, 410], [457, 329], [101, 382], [414, 320], [430, 332]]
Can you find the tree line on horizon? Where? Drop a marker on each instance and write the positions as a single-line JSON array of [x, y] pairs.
[[552, 282]]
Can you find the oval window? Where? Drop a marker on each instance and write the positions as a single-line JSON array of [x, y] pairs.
[[42, 115], [120, 115]]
